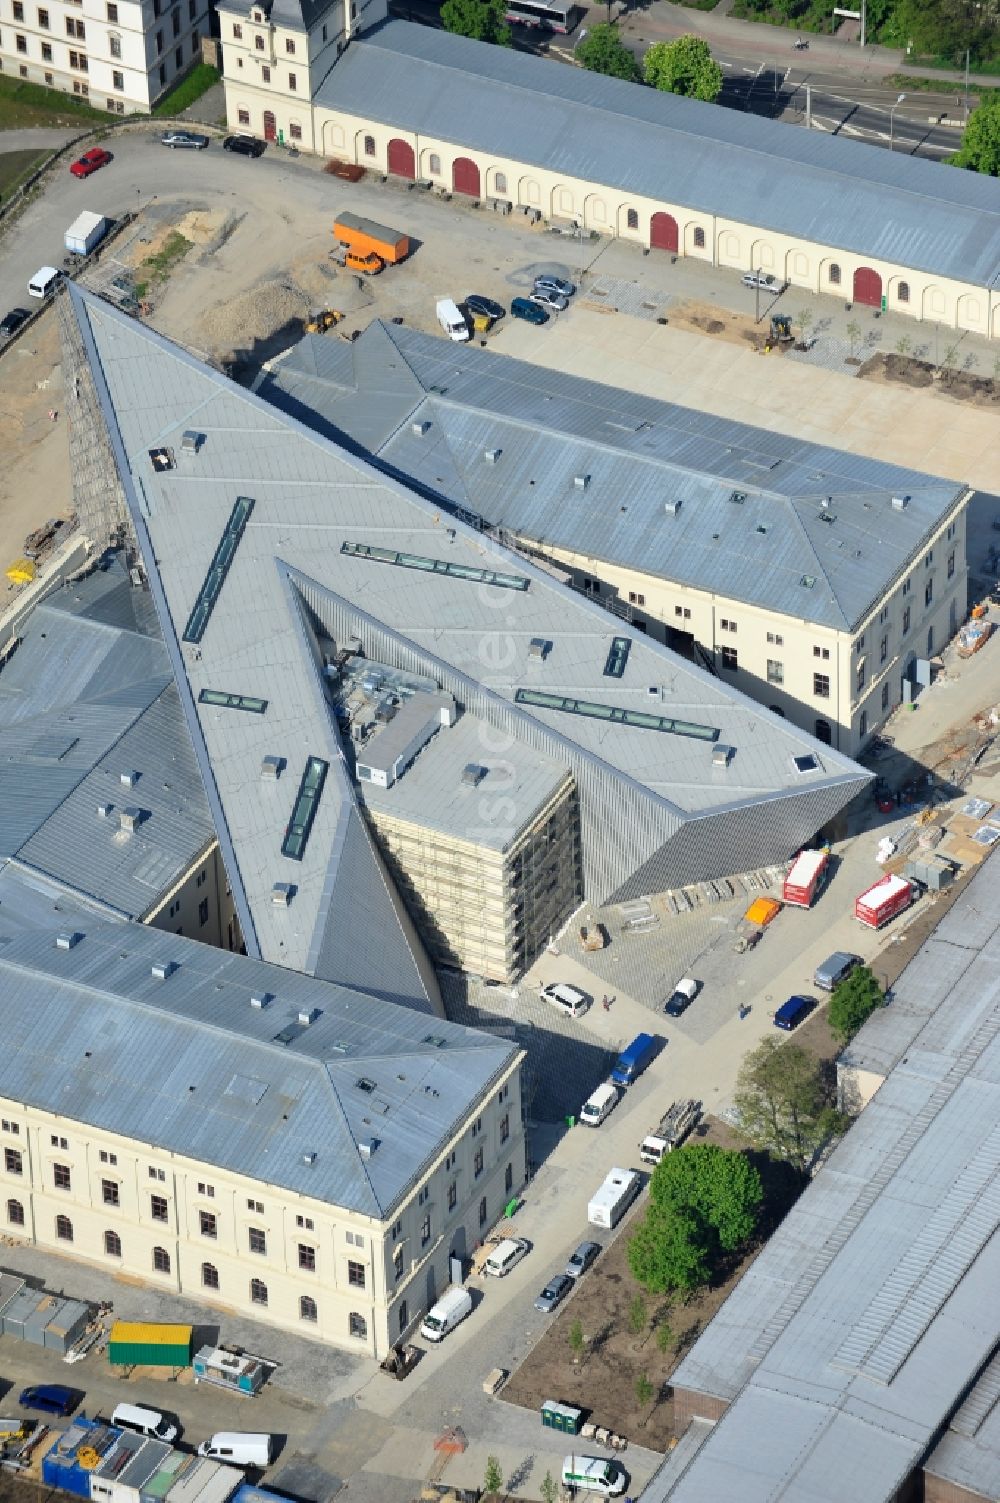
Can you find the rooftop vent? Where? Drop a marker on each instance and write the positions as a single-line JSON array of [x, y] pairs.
[[309, 1157], [419, 428], [105, 810], [581, 482], [538, 647], [367, 1146], [191, 441], [825, 502], [722, 755], [261, 1000], [272, 767], [492, 455], [827, 516], [161, 969], [805, 763], [672, 506], [473, 774], [130, 818], [129, 778], [308, 1015], [282, 894], [899, 503], [67, 940], [738, 497], [161, 459], [366, 1085], [807, 581]]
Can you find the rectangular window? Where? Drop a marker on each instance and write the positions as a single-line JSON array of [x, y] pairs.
[[505, 1128], [774, 639], [863, 724], [256, 1205], [307, 1257], [477, 1163], [730, 659], [110, 1194], [106, 1157], [397, 1263], [43, 20], [906, 586], [929, 559], [57, 1141], [259, 43], [614, 663], [395, 1229], [223, 701], [10, 1127], [482, 1211], [12, 1161], [159, 1174], [304, 1221], [425, 1231], [682, 610], [356, 1274], [885, 696], [238, 33], [929, 592], [727, 625], [775, 672], [203, 911], [175, 23], [61, 1177], [295, 131], [18, 10], [304, 811], [821, 685], [21, 43], [265, 75], [158, 1208], [292, 82], [883, 649], [159, 42], [597, 710], [859, 645], [862, 673], [376, 555], [951, 564], [179, 58], [477, 1127], [222, 559], [208, 1190], [452, 1195], [257, 1238], [635, 599], [356, 1239], [208, 1224], [289, 46], [112, 10]]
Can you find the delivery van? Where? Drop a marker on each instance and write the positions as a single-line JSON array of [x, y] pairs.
[[238, 1448], [599, 1104], [451, 319], [505, 1256], [44, 282], [592, 1474], [144, 1422], [453, 1306]]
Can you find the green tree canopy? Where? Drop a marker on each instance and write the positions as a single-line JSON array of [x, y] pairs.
[[603, 51], [670, 1250], [784, 1103], [718, 1185], [853, 1002], [980, 148], [683, 67], [482, 20], [941, 28]]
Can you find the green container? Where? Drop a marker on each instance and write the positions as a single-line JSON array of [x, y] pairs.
[[561, 1417], [145, 1344]]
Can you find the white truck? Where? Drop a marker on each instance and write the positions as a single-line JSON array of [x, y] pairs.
[[86, 233], [613, 1199], [671, 1130], [453, 1306], [451, 319]]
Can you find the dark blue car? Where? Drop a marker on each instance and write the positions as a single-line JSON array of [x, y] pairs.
[[52, 1398], [791, 1013], [523, 307]]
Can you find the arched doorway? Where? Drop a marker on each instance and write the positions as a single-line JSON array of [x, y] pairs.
[[465, 177], [270, 127], [663, 232], [868, 287], [402, 162], [824, 732]]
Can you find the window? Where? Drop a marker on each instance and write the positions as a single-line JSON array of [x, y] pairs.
[[863, 724], [433, 164], [951, 564], [208, 1223], [883, 649], [906, 620], [237, 33], [110, 1193], [930, 640], [500, 182], [307, 1308], [906, 586], [929, 592], [505, 1128], [453, 1195], [256, 1205], [258, 1292], [78, 60], [774, 640], [482, 1211], [634, 599], [43, 20], [106, 1157], [477, 1163], [179, 57], [395, 1229], [12, 1161], [15, 1213], [903, 292], [425, 1231], [265, 75], [862, 672], [161, 1260], [775, 672], [58, 1142], [727, 625], [929, 559], [699, 238], [22, 43], [258, 42], [243, 117], [258, 1240], [11, 1127], [730, 659], [859, 645], [502, 1094], [295, 130], [632, 219], [357, 1326], [61, 1176], [209, 1276], [883, 615], [174, 908], [951, 531], [833, 275], [292, 82], [885, 697], [206, 1190], [175, 23], [424, 1195], [356, 1274], [290, 46], [590, 586], [304, 1221], [18, 11], [64, 1229], [682, 610], [477, 1127], [307, 1257], [356, 1239], [158, 1208], [397, 1262], [821, 685], [370, 146], [821, 652], [159, 1174], [508, 1178], [404, 1317]]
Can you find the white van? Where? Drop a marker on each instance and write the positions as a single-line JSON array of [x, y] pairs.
[[453, 1306], [568, 999], [144, 1421], [600, 1104], [592, 1474], [238, 1448], [451, 320], [44, 282], [505, 1256]]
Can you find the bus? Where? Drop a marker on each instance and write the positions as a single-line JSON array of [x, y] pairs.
[[549, 14]]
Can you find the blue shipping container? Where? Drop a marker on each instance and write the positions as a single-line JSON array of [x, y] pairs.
[[633, 1060]]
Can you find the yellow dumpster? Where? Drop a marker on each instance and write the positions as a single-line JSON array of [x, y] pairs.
[[21, 571], [762, 911]]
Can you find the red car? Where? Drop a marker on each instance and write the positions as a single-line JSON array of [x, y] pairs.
[[90, 162]]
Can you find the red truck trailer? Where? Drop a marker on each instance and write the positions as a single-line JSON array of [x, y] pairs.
[[806, 876], [882, 901]]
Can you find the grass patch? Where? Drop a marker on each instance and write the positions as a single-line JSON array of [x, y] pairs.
[[16, 167], [23, 104], [934, 85], [986, 65], [699, 4], [190, 88], [157, 268]]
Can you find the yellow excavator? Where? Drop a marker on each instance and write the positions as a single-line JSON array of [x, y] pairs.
[[324, 319]]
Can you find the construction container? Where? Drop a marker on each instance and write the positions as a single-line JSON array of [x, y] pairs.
[[762, 911], [205, 1481], [240, 1374], [66, 1325], [157, 1486], [364, 236], [149, 1344], [68, 1464]]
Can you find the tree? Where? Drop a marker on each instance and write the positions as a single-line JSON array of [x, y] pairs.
[[644, 1391], [603, 51], [904, 344], [577, 1340], [942, 28], [784, 1103], [683, 67], [857, 997], [549, 1488], [980, 148], [719, 1185], [670, 1250], [853, 335], [482, 20], [664, 1338], [493, 1476], [804, 318], [637, 1316]]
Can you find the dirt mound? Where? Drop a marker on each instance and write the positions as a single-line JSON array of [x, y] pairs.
[[981, 391], [255, 314]]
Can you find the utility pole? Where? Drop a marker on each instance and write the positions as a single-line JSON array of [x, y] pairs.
[[809, 107], [966, 85], [892, 113], [864, 18]]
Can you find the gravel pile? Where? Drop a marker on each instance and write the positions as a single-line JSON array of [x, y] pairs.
[[254, 315]]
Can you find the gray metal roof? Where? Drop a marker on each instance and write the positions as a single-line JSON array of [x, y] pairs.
[[813, 186], [291, 594], [872, 1311], [968, 1455], [807, 511], [85, 698], [189, 1065]]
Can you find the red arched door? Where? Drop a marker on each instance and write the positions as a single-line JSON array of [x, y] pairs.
[[465, 177], [663, 232], [868, 287], [402, 162], [270, 127]]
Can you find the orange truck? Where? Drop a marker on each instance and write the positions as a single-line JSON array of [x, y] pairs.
[[370, 246]]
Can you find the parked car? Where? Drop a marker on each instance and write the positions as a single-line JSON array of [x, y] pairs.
[[793, 1012], [12, 321], [568, 999], [548, 283], [188, 138], [554, 1293], [505, 1256], [476, 303], [682, 996], [581, 1260], [245, 146], [762, 279], [521, 307], [91, 161], [546, 298], [51, 1398]]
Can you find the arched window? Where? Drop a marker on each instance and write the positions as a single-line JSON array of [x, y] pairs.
[[903, 292], [161, 1260], [699, 238], [434, 164], [307, 1308], [500, 183], [632, 219], [258, 1291], [64, 1228], [369, 146], [833, 275], [15, 1213], [209, 1276], [357, 1326], [112, 1244]]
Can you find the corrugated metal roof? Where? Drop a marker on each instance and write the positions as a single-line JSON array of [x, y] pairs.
[[162, 1056], [808, 184], [806, 510]]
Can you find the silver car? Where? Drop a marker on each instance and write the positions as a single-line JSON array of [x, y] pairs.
[[547, 299], [581, 1260], [762, 279], [549, 283], [189, 138], [554, 1293]]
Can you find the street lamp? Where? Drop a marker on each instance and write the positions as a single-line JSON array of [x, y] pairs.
[[892, 111]]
